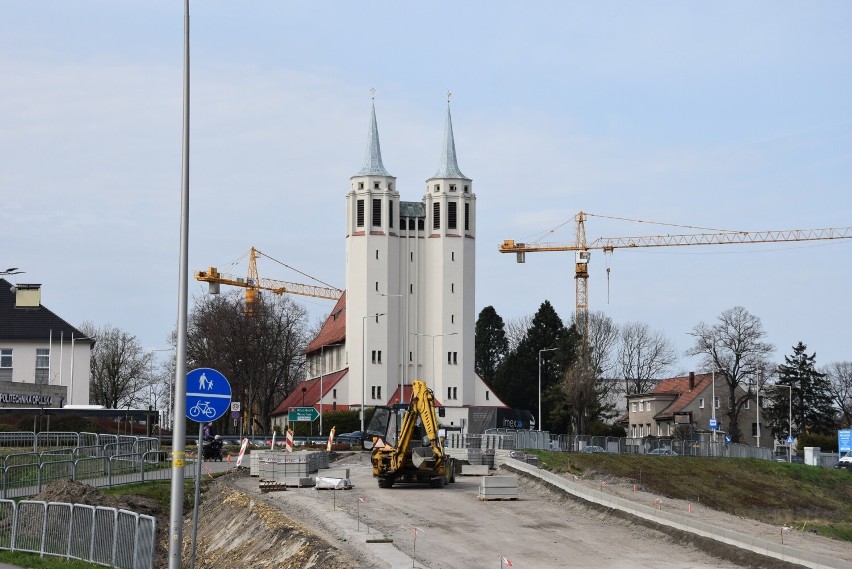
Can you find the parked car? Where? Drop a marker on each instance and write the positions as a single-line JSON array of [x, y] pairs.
[[353, 438], [592, 448], [843, 464], [663, 452]]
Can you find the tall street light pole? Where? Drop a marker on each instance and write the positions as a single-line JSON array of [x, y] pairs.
[[539, 384], [789, 423], [364, 355]]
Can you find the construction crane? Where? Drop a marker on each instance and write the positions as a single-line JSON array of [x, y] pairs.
[[253, 284], [582, 252]]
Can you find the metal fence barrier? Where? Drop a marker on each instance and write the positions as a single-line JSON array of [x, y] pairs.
[[106, 536]]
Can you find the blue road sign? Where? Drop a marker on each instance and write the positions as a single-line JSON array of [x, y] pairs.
[[844, 440], [789, 439], [208, 395], [728, 439], [714, 423]]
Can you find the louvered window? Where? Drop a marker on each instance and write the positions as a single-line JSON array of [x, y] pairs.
[[436, 216], [360, 214], [390, 213], [451, 215], [467, 217], [377, 213]]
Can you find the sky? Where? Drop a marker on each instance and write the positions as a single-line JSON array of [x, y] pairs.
[[725, 115]]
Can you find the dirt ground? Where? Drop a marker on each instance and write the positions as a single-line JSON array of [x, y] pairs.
[[447, 528]]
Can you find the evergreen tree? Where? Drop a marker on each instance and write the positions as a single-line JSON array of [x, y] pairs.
[[491, 344], [812, 408]]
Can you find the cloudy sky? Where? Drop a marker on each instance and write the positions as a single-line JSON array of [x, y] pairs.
[[723, 115]]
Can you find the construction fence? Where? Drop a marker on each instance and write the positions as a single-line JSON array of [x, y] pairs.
[[105, 536]]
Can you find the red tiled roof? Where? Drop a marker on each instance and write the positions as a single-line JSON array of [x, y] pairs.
[[333, 330], [311, 396], [679, 386]]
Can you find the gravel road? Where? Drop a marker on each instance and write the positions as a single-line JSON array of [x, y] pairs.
[[454, 529]]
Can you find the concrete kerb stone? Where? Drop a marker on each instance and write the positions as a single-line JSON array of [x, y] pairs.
[[680, 522]]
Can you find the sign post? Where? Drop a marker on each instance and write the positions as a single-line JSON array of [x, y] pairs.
[[208, 397]]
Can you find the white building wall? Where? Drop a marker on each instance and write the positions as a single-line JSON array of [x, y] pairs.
[[69, 366]]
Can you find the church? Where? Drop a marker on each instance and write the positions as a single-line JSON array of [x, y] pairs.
[[408, 311]]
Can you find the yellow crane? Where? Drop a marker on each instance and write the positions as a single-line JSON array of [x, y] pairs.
[[583, 250], [253, 283]]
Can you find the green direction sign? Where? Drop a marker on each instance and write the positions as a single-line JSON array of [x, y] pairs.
[[303, 414]]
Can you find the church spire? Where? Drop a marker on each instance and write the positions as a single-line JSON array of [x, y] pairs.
[[449, 167], [373, 160]]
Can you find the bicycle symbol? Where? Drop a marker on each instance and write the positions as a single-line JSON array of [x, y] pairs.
[[202, 408]]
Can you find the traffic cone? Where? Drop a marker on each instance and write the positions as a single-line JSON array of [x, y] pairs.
[[229, 457]]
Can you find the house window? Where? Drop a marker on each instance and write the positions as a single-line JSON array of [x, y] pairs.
[[487, 395], [633, 431], [6, 357], [754, 429], [648, 406], [390, 213], [747, 404], [633, 406], [718, 402], [451, 215], [360, 215], [641, 430], [701, 403], [334, 393], [42, 365], [641, 405], [659, 430], [436, 216], [466, 216], [377, 213]]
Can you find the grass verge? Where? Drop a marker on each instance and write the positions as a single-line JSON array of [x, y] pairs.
[[806, 497]]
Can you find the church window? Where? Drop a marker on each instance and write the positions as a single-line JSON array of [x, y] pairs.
[[420, 224], [449, 358], [412, 256], [411, 224], [466, 188], [377, 213], [390, 186], [452, 256], [411, 289], [455, 358], [467, 217], [451, 215], [437, 187], [452, 287], [360, 214], [377, 254], [452, 187], [360, 185], [410, 356], [390, 213], [452, 318], [377, 283], [436, 216], [375, 185]]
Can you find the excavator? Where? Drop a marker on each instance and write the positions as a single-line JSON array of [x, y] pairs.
[[417, 454]]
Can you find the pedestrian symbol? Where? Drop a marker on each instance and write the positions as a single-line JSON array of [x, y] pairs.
[[212, 398]]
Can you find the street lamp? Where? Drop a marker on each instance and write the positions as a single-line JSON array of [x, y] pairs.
[[364, 363], [539, 383], [322, 373]]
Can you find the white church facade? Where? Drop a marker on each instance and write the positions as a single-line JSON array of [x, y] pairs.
[[409, 307]]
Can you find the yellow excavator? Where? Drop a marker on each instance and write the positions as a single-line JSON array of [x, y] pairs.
[[417, 454]]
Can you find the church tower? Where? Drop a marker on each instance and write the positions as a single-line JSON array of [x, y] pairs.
[[410, 283]]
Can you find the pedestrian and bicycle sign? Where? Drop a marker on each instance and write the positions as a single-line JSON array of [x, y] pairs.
[[302, 414], [208, 395]]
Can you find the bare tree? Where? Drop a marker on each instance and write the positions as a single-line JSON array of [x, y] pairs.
[[261, 354], [733, 348], [516, 330], [840, 379], [603, 337], [643, 357], [120, 368]]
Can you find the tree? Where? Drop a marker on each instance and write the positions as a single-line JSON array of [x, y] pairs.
[[491, 344], [603, 337], [516, 330], [516, 381], [812, 407], [120, 368], [839, 375], [643, 357], [262, 354], [733, 348]]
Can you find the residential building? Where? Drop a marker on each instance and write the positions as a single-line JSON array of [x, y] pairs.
[[44, 361]]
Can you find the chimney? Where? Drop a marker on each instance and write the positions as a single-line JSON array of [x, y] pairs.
[[27, 296], [691, 380]]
